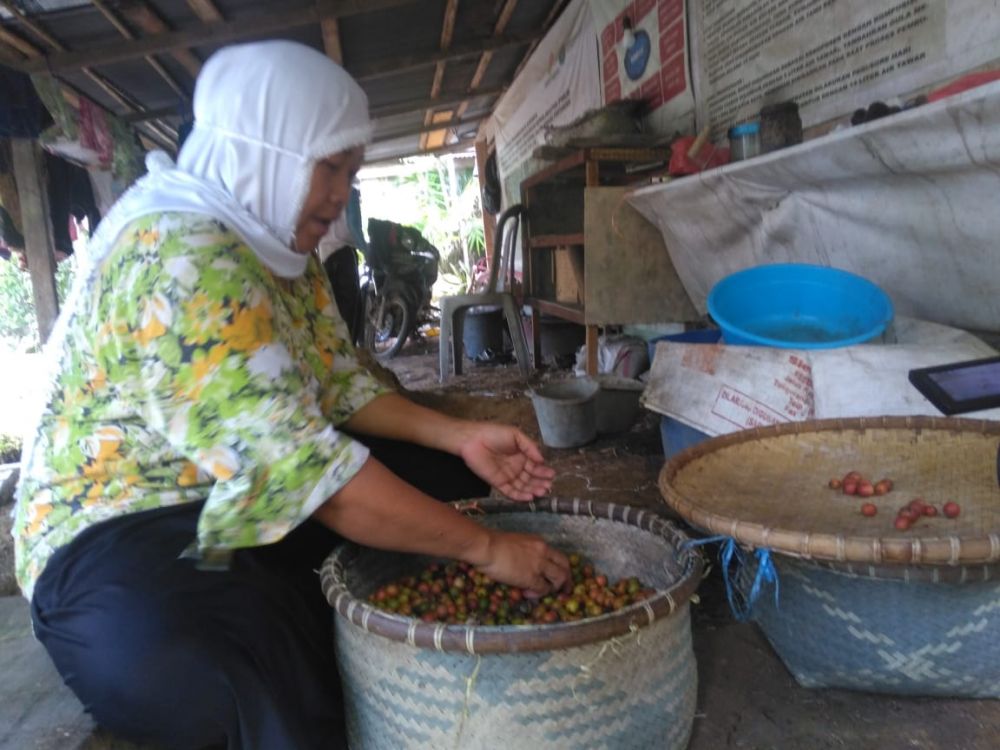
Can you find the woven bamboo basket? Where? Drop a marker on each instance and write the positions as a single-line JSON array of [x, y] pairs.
[[624, 680], [862, 605]]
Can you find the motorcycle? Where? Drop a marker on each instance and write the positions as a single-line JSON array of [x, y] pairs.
[[400, 269]]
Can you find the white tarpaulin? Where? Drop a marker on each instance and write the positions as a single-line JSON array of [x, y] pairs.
[[719, 389], [910, 202], [831, 57]]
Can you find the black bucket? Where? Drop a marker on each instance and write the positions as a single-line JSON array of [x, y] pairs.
[[482, 332]]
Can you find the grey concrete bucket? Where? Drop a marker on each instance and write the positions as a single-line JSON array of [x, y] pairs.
[[567, 412]]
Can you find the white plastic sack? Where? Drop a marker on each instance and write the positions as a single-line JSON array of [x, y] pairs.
[[719, 389], [624, 356]]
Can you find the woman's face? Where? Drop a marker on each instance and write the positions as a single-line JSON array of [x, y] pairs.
[[329, 191]]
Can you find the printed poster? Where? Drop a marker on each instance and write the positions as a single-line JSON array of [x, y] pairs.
[[644, 54], [830, 56]]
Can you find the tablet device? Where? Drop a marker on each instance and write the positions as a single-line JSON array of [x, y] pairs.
[[960, 387]]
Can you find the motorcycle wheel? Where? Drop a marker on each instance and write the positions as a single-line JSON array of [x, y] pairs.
[[386, 334]]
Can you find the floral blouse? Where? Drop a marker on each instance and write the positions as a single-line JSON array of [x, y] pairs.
[[193, 374]]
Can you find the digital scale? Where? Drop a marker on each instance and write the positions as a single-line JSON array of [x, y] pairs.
[[960, 387]]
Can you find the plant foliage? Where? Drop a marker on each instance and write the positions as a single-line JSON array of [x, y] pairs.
[[18, 323]]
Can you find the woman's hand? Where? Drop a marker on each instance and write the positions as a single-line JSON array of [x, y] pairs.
[[523, 560], [506, 458]]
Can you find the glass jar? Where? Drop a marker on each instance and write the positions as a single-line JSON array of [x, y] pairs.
[[744, 141], [780, 126]]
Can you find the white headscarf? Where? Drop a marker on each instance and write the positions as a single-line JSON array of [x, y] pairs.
[[265, 114]]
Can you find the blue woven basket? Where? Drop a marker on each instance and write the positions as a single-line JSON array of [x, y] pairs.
[[622, 681], [903, 631], [863, 604]]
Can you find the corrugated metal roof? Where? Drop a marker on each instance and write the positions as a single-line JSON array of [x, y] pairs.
[[392, 47]]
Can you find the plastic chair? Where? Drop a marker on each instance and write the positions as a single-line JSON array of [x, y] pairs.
[[454, 309]]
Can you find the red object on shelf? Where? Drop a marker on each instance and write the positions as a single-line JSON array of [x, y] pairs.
[[707, 156], [964, 83]]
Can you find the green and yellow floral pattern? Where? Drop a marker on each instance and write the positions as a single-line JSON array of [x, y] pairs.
[[192, 374]]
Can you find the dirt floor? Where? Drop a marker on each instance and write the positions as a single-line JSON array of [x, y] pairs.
[[746, 697]]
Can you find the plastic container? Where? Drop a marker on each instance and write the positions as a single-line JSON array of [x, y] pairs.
[[701, 336], [780, 126], [744, 141], [482, 331], [798, 306], [617, 403], [567, 412]]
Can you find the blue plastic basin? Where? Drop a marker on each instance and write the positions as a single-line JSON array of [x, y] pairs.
[[798, 306]]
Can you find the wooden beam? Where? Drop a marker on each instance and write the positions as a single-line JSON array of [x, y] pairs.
[[165, 135], [399, 108], [211, 34], [331, 39], [10, 56], [31, 25], [19, 43], [447, 32], [181, 109], [126, 32], [37, 225], [385, 110], [489, 220], [113, 19], [205, 10], [506, 12], [162, 129], [382, 137], [458, 51], [145, 18]]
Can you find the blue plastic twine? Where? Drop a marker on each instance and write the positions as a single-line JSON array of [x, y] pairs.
[[732, 556]]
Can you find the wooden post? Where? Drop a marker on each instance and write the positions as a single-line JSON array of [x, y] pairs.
[[489, 221], [593, 177], [37, 226]]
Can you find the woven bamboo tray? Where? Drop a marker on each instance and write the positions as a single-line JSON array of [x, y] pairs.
[[622, 681], [767, 487]]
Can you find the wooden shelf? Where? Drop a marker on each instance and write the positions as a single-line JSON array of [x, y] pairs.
[[558, 243], [572, 313], [557, 240], [610, 160]]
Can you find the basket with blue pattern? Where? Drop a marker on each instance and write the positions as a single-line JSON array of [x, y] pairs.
[[620, 681], [862, 604]]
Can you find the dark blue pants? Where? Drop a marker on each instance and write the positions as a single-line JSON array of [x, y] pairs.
[[159, 651]]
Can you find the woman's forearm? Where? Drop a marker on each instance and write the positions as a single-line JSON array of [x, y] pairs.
[[378, 509], [397, 418]]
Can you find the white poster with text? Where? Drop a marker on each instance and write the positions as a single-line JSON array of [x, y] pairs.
[[830, 56], [560, 82]]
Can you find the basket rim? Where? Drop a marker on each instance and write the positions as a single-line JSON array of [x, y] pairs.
[[951, 550], [485, 639], [944, 574]]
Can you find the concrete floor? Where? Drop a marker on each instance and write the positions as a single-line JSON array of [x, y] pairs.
[[747, 699]]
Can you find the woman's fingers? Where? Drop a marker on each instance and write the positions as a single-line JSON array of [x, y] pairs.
[[555, 575], [529, 447], [527, 561], [538, 470]]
